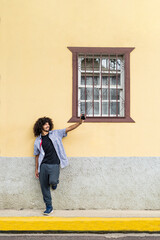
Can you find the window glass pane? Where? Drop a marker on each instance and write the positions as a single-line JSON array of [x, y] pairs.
[[82, 107], [113, 64], [119, 64], [82, 80], [89, 64], [96, 80], [82, 63], [89, 80], [105, 80], [96, 108], [113, 80], [89, 108], [113, 107], [113, 93], [105, 63], [82, 93], [104, 108], [89, 93], [96, 64], [104, 94], [96, 94]]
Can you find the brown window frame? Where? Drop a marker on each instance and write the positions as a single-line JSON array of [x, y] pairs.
[[100, 50]]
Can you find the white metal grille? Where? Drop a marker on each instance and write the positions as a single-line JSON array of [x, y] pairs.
[[101, 85]]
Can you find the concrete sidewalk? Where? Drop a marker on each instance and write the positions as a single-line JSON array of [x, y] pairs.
[[80, 220]]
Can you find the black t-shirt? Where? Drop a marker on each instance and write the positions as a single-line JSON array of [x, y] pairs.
[[50, 156]]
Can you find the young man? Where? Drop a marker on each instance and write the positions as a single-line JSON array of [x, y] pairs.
[[49, 156]]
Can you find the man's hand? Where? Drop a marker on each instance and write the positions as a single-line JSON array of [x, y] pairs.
[[36, 174], [82, 120]]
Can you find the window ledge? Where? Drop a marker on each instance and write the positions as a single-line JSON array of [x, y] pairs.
[[103, 119]]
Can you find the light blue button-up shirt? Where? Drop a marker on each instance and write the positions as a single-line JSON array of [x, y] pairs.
[[56, 137]]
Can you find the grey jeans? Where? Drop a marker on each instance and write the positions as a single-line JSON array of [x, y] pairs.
[[49, 175]]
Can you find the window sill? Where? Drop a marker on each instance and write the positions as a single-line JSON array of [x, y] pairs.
[[103, 119]]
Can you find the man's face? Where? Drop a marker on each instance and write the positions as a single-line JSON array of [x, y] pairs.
[[46, 127]]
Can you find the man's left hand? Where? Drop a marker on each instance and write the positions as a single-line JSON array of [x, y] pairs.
[[82, 120]]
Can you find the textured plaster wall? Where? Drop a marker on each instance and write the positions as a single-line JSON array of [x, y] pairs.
[[86, 183], [36, 62]]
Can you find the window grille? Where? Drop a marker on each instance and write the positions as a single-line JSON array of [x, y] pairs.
[[101, 88]]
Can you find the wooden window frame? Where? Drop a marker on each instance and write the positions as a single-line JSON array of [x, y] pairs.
[[100, 50]]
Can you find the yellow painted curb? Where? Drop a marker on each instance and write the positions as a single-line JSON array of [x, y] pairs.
[[78, 224]]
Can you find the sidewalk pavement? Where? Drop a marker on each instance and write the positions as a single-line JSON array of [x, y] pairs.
[[80, 220]]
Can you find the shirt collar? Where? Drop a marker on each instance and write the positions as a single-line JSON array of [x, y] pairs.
[[40, 136]]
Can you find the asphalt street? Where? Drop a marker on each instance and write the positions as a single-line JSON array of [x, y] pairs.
[[117, 236]]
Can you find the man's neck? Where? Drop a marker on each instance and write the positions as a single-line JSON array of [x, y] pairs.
[[44, 133]]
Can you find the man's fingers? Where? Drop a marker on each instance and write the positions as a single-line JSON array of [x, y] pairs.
[[37, 175]]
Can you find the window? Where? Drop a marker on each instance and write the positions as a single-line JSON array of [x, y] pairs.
[[101, 84]]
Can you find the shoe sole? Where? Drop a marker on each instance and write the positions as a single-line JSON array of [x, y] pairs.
[[47, 213]]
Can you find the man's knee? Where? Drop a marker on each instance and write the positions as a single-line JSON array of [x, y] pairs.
[[52, 182]]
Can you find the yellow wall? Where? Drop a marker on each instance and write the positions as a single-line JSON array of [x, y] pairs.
[[36, 72]]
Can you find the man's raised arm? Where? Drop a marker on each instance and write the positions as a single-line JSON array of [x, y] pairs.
[[70, 128]]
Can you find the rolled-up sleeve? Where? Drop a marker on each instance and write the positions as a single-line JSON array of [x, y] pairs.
[[36, 150], [61, 132]]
